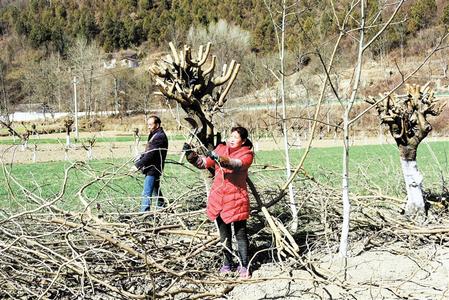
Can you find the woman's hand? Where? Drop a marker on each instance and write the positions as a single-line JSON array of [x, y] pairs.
[[191, 155], [213, 155], [224, 160]]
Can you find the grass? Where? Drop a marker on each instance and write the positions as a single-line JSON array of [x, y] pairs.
[[105, 180], [372, 169]]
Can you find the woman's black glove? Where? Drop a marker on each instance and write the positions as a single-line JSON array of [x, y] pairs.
[[192, 156], [213, 155]]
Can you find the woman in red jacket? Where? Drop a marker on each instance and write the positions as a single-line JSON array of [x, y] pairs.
[[228, 201]]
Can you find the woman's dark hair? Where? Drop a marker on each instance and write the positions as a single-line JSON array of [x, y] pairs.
[[243, 135]]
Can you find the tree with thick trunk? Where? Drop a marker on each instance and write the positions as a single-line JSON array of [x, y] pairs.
[[406, 118], [193, 85]]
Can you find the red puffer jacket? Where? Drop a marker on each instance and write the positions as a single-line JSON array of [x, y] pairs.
[[228, 196]]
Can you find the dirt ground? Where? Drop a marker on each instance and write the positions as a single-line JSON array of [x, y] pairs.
[[59, 152], [382, 274]]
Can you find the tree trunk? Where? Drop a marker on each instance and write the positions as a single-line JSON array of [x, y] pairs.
[[345, 192], [34, 153], [346, 132], [413, 184], [412, 177], [85, 100], [408, 151], [89, 153], [3, 110], [89, 98], [292, 202]]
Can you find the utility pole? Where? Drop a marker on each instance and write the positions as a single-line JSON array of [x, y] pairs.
[[116, 95], [76, 108]]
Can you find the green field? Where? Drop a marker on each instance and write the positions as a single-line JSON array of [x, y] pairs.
[[374, 169]]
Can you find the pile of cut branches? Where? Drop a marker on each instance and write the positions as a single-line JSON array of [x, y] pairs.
[[66, 257], [48, 253]]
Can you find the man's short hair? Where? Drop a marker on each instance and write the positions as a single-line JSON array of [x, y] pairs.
[[156, 119]]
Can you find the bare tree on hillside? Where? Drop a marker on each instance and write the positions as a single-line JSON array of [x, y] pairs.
[[39, 84], [407, 120], [139, 89], [104, 93], [47, 83], [61, 81], [232, 42], [3, 93], [84, 60]]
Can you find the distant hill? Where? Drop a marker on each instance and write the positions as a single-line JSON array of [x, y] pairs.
[[118, 24], [45, 44]]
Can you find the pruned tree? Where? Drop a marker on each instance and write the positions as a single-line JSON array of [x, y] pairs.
[[230, 42], [406, 118], [68, 122], [34, 130], [88, 144], [192, 83], [25, 139], [136, 135]]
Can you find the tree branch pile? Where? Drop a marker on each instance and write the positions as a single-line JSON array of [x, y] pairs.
[[66, 257], [49, 253]]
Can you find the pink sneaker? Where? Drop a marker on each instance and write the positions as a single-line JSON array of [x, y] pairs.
[[243, 272], [225, 269]]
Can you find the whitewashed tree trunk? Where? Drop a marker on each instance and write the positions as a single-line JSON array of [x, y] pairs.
[[281, 79], [34, 153], [345, 193], [136, 146], [413, 184], [111, 150], [67, 140], [89, 153], [346, 133]]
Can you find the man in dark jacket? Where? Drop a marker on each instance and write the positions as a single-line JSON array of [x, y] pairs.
[[151, 163]]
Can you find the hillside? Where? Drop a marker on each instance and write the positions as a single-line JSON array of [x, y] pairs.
[[46, 44]]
